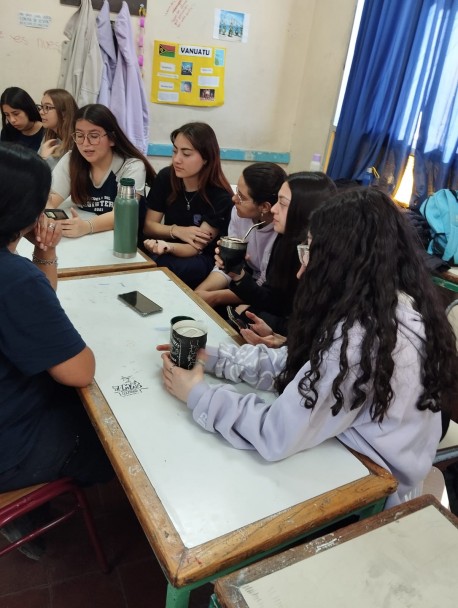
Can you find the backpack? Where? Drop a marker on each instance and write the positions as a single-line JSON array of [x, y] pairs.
[[441, 212]]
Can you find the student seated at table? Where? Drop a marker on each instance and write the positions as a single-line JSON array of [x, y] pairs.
[[299, 195], [57, 111], [257, 192], [45, 433], [189, 205], [371, 358], [91, 171], [258, 331], [21, 122]]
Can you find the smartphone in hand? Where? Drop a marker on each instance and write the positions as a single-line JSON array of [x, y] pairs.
[[56, 214], [236, 320]]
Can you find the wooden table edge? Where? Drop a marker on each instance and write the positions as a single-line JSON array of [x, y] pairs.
[[92, 396], [287, 525], [64, 273], [228, 587], [449, 276], [186, 565]]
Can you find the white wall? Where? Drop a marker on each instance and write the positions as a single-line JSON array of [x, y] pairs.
[[325, 53], [281, 86]]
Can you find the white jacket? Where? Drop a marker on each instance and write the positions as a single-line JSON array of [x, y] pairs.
[[81, 64]]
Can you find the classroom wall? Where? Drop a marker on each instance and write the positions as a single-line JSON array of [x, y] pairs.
[[281, 86]]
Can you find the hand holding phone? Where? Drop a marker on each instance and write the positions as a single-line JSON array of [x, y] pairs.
[[140, 303], [56, 214], [236, 320]]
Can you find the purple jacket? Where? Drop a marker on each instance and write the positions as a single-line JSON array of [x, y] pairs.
[[128, 97], [108, 51]]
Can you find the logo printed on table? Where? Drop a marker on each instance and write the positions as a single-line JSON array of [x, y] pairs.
[[128, 387]]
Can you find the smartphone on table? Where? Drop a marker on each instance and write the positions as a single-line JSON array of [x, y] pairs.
[[56, 214], [140, 303]]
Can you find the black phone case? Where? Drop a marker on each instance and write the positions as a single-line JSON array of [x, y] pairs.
[[236, 320], [56, 214]]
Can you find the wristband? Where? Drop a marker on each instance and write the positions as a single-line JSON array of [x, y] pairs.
[[37, 260]]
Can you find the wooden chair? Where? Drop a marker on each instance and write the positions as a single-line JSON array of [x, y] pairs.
[[17, 503]]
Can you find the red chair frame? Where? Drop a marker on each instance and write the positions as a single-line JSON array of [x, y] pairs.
[[16, 503]]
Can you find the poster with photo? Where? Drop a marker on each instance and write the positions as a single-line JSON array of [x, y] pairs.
[[188, 75], [231, 26]]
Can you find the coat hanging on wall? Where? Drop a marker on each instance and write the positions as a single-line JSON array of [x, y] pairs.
[[128, 97], [108, 51], [81, 63]]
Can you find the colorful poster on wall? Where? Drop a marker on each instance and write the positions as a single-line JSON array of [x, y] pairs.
[[231, 26], [188, 75]]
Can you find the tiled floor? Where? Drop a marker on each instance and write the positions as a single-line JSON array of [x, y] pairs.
[[68, 576]]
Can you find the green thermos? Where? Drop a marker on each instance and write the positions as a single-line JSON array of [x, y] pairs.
[[125, 220]]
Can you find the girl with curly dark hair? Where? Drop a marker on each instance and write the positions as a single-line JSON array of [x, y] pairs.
[[371, 357]]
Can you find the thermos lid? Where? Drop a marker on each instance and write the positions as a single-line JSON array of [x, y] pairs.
[[127, 181]]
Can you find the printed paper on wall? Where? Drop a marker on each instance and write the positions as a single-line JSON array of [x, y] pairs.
[[188, 75], [231, 26]]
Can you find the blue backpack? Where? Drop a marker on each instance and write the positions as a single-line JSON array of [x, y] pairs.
[[441, 212]]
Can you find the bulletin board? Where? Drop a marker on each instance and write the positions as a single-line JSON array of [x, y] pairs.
[[188, 75]]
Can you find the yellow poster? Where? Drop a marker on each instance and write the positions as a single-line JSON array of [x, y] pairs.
[[188, 75]]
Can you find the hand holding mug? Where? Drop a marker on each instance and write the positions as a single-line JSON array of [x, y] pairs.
[[232, 252]]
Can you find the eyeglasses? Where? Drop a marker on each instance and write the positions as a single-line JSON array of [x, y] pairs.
[[45, 108], [240, 197], [303, 252], [93, 138]]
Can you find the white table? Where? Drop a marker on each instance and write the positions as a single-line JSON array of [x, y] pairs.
[[89, 254], [204, 506], [400, 558]]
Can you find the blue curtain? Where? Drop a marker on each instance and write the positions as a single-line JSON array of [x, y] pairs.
[[436, 152], [404, 73]]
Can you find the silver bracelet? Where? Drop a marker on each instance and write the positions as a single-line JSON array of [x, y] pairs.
[[91, 225], [44, 262]]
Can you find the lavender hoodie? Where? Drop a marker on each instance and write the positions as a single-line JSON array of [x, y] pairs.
[[405, 442], [260, 242]]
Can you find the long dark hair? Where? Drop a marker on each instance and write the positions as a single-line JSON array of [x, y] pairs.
[[202, 137], [263, 181], [309, 190], [101, 116], [362, 257], [25, 180], [19, 100], [66, 108]]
